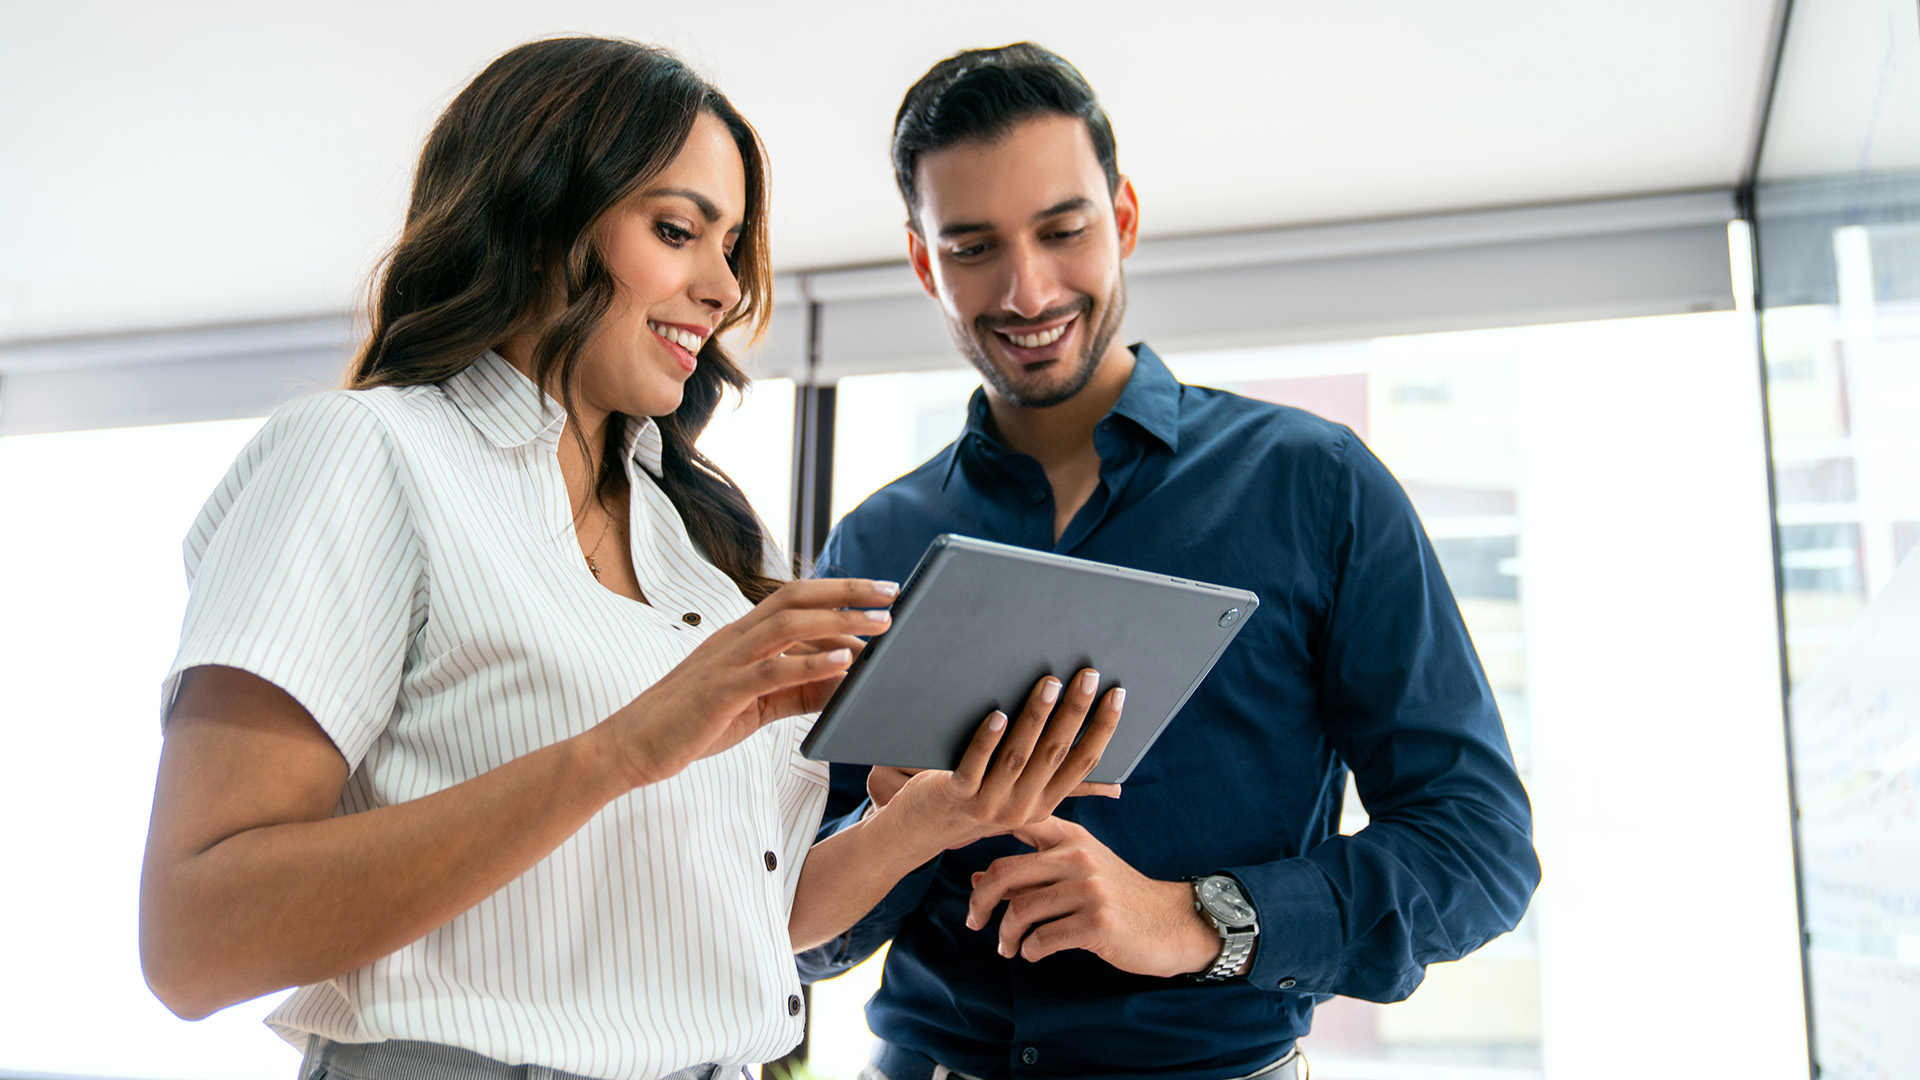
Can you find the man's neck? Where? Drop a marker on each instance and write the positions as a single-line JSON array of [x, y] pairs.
[[1058, 434]]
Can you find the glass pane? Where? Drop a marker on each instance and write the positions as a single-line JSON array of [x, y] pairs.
[[93, 588], [1837, 235], [751, 438], [1597, 497]]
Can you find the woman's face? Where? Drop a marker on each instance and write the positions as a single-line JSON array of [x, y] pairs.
[[667, 247]]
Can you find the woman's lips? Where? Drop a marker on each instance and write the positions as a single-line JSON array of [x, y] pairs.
[[675, 339]]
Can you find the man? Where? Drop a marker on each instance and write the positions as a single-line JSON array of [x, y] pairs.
[[1185, 929]]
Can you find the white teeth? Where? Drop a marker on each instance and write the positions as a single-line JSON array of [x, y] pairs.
[[686, 339], [1035, 341]]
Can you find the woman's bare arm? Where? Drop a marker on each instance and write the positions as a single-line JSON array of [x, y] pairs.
[[250, 883]]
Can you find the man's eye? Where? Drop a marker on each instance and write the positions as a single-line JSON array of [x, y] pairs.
[[1068, 234], [971, 251]]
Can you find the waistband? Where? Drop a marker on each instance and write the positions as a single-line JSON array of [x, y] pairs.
[[405, 1059], [902, 1063]]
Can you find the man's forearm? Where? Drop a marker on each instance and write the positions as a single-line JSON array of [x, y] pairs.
[[846, 875]]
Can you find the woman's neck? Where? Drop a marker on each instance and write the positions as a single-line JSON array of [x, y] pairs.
[[583, 442]]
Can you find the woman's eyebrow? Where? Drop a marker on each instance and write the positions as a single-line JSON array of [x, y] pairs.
[[707, 209]]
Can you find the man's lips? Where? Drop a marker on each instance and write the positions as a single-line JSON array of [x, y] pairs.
[[1032, 344]]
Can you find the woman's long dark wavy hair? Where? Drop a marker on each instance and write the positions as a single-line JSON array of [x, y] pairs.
[[514, 179]]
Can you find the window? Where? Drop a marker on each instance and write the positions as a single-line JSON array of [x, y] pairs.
[[92, 585], [1597, 497]]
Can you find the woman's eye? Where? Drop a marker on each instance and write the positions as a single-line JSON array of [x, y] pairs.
[[673, 234]]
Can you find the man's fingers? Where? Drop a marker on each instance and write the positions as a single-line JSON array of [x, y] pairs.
[[1025, 909], [1085, 754], [1046, 833], [1056, 742], [1016, 747], [1075, 931], [979, 754], [1004, 877]]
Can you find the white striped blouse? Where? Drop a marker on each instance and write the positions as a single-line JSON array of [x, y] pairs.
[[403, 563]]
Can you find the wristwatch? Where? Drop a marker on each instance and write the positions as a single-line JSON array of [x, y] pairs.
[[1219, 900]]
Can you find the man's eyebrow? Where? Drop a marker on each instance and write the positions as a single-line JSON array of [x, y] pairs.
[[1065, 206]]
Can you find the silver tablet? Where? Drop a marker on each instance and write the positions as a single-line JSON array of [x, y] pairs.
[[979, 623]]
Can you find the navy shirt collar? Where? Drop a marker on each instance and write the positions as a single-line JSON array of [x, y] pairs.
[[1151, 400]]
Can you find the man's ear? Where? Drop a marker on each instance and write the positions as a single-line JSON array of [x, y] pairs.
[[1126, 216], [919, 257]]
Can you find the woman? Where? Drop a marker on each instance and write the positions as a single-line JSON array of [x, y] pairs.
[[484, 726]]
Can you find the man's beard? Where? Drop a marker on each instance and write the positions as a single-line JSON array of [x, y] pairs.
[[974, 346]]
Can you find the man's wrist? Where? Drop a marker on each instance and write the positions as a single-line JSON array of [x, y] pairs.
[[1220, 904]]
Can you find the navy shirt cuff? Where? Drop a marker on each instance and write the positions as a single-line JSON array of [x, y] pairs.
[[1299, 945]]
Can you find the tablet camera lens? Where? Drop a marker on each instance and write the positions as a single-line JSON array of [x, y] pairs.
[[1232, 616]]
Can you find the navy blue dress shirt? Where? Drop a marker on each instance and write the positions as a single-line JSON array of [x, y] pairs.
[[1356, 659]]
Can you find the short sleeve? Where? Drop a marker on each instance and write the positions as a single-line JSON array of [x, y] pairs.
[[305, 568]]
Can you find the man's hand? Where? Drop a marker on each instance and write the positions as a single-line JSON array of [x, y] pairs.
[[1075, 893]]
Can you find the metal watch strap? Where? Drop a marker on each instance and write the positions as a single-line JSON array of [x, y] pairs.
[[1234, 950], [1235, 945]]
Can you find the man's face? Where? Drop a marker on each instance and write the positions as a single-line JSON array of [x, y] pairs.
[[1021, 243]]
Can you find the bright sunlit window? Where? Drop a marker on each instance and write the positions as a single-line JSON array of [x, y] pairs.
[[92, 588], [1597, 498]]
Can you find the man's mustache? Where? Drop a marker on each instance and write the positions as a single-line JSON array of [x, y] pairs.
[[988, 322]]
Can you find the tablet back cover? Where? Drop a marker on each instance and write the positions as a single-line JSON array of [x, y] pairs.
[[979, 623]]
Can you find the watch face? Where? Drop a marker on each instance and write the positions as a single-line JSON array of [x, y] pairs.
[[1223, 900]]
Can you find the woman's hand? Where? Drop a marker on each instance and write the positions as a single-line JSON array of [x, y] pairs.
[[783, 658], [1010, 776]]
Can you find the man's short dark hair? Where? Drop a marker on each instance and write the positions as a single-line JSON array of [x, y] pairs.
[[981, 94]]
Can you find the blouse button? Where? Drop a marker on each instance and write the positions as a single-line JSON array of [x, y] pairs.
[[793, 1004], [773, 863], [691, 618]]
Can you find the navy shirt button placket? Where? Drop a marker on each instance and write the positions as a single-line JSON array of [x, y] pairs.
[[1030, 1056]]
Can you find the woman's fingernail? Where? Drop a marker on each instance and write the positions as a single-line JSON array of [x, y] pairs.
[[840, 656], [887, 588], [1050, 690], [1089, 681], [996, 720], [877, 614], [1120, 698]]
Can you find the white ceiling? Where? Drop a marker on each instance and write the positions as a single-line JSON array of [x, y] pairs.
[[206, 161]]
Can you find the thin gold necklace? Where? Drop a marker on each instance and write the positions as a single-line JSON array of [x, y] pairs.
[[591, 565]]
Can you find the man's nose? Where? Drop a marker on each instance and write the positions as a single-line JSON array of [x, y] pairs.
[[1030, 286]]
